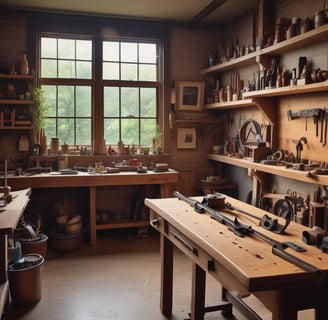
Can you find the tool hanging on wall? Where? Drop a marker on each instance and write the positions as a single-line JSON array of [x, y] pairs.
[[299, 148], [320, 118]]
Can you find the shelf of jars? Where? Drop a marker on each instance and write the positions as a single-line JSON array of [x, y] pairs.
[[316, 35], [282, 171]]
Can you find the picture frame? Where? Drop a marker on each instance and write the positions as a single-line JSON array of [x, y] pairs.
[[190, 96], [186, 138]]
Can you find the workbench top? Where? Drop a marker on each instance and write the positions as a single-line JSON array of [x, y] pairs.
[[248, 261], [83, 179]]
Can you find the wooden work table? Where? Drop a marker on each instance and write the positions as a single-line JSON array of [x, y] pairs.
[[93, 181], [9, 218], [243, 265]]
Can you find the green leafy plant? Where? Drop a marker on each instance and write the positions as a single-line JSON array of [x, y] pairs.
[[38, 111]]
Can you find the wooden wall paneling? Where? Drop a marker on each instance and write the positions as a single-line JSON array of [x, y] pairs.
[[290, 131]]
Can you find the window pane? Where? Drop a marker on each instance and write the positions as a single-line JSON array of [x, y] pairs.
[[129, 52], [84, 49], [66, 69], [147, 52], [111, 71], [83, 70], [148, 131], [111, 51], [129, 102], [147, 72], [50, 94], [129, 72], [148, 102], [66, 130], [65, 101], [130, 131], [111, 131], [48, 68], [50, 129], [83, 131], [48, 48], [66, 49], [83, 101], [111, 102]]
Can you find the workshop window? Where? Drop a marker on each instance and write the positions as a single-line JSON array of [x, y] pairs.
[[130, 74], [66, 77], [72, 78]]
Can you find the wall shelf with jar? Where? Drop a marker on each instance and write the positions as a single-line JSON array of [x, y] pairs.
[[15, 101], [263, 57]]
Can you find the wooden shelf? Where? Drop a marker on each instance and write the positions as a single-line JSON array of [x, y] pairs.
[[288, 90], [16, 76], [16, 128], [196, 121], [265, 105], [16, 101], [271, 169], [123, 224], [306, 39], [230, 105]]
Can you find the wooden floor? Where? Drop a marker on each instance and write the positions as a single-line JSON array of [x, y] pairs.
[[118, 279]]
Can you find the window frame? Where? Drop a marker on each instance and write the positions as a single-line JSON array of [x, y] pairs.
[[97, 83]]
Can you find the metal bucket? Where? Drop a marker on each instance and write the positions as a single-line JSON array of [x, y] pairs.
[[25, 279]]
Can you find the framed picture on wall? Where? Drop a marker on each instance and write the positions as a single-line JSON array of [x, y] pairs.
[[190, 96], [186, 138]]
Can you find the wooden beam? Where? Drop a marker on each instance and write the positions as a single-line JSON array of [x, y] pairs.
[[215, 4]]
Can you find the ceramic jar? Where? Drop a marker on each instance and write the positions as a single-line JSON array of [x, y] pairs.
[[24, 66]]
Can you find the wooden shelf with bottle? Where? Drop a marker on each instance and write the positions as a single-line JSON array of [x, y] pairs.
[[281, 171], [303, 40]]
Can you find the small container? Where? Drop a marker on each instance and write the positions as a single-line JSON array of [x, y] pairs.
[[54, 146], [319, 19]]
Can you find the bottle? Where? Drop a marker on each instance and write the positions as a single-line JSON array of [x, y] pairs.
[[24, 65]]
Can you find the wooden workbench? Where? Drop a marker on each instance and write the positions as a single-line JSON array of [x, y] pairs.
[[9, 218], [243, 265], [93, 181]]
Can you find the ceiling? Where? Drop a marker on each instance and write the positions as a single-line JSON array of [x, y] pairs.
[[197, 11]]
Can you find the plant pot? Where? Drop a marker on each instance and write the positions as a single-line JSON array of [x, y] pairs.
[[37, 245]]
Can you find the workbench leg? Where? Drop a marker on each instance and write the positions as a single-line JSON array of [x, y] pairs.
[[166, 252], [93, 217], [165, 190], [198, 292], [4, 258]]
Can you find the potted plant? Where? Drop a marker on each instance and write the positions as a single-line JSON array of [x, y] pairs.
[[31, 239], [38, 113]]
